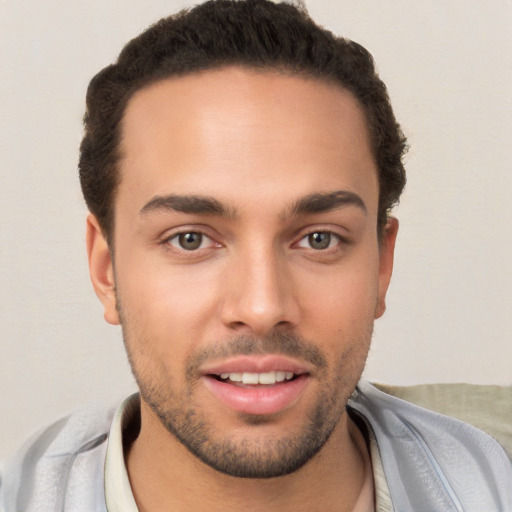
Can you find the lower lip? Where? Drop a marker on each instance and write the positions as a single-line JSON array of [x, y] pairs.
[[257, 399]]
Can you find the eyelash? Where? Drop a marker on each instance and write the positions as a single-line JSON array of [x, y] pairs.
[[326, 232], [203, 236], [340, 240]]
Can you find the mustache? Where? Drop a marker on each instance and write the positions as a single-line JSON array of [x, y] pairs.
[[287, 344]]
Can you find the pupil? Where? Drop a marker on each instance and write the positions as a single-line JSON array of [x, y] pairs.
[[319, 240], [190, 241]]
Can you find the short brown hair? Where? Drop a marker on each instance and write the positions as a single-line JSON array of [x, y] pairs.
[[251, 33]]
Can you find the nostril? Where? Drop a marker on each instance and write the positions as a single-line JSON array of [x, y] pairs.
[[237, 325]]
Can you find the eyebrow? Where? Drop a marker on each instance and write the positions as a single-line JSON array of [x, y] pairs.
[[192, 204], [325, 202], [204, 205]]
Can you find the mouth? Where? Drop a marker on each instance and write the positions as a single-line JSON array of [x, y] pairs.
[[257, 386], [256, 379]]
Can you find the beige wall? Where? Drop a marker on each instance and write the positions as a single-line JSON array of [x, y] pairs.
[[448, 65]]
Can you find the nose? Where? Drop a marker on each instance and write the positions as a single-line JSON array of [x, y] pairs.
[[259, 295]]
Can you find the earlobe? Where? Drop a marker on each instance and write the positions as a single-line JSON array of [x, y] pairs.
[[101, 269], [386, 256]]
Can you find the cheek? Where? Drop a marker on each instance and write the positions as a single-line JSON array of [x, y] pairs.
[[338, 313], [166, 311], [164, 301], [346, 296]]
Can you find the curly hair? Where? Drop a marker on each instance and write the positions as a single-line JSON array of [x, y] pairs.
[[250, 33]]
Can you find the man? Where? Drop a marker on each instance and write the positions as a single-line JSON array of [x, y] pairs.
[[240, 165]]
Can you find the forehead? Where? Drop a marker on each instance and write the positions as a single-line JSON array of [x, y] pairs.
[[283, 135]]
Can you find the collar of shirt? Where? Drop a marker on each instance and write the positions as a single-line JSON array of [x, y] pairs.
[[119, 496], [118, 493]]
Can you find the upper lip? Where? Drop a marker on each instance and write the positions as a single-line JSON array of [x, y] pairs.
[[256, 364]]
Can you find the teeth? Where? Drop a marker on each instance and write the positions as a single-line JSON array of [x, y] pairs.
[[280, 376], [267, 378], [250, 378], [258, 378], [235, 377]]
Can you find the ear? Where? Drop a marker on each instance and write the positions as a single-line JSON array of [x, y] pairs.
[[101, 269], [386, 256]]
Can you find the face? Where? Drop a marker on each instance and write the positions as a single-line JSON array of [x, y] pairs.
[[247, 269]]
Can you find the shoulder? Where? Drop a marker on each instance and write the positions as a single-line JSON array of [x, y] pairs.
[[429, 458], [61, 467]]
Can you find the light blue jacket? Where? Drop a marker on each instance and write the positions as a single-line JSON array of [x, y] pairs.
[[432, 463]]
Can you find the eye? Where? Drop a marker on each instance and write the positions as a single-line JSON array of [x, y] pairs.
[[189, 241], [320, 240]]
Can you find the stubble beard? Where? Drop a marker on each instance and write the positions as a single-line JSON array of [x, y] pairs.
[[246, 457], [243, 457]]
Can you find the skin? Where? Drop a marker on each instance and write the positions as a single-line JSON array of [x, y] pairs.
[[258, 143]]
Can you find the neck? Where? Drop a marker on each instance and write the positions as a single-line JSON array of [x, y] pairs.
[[164, 475]]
